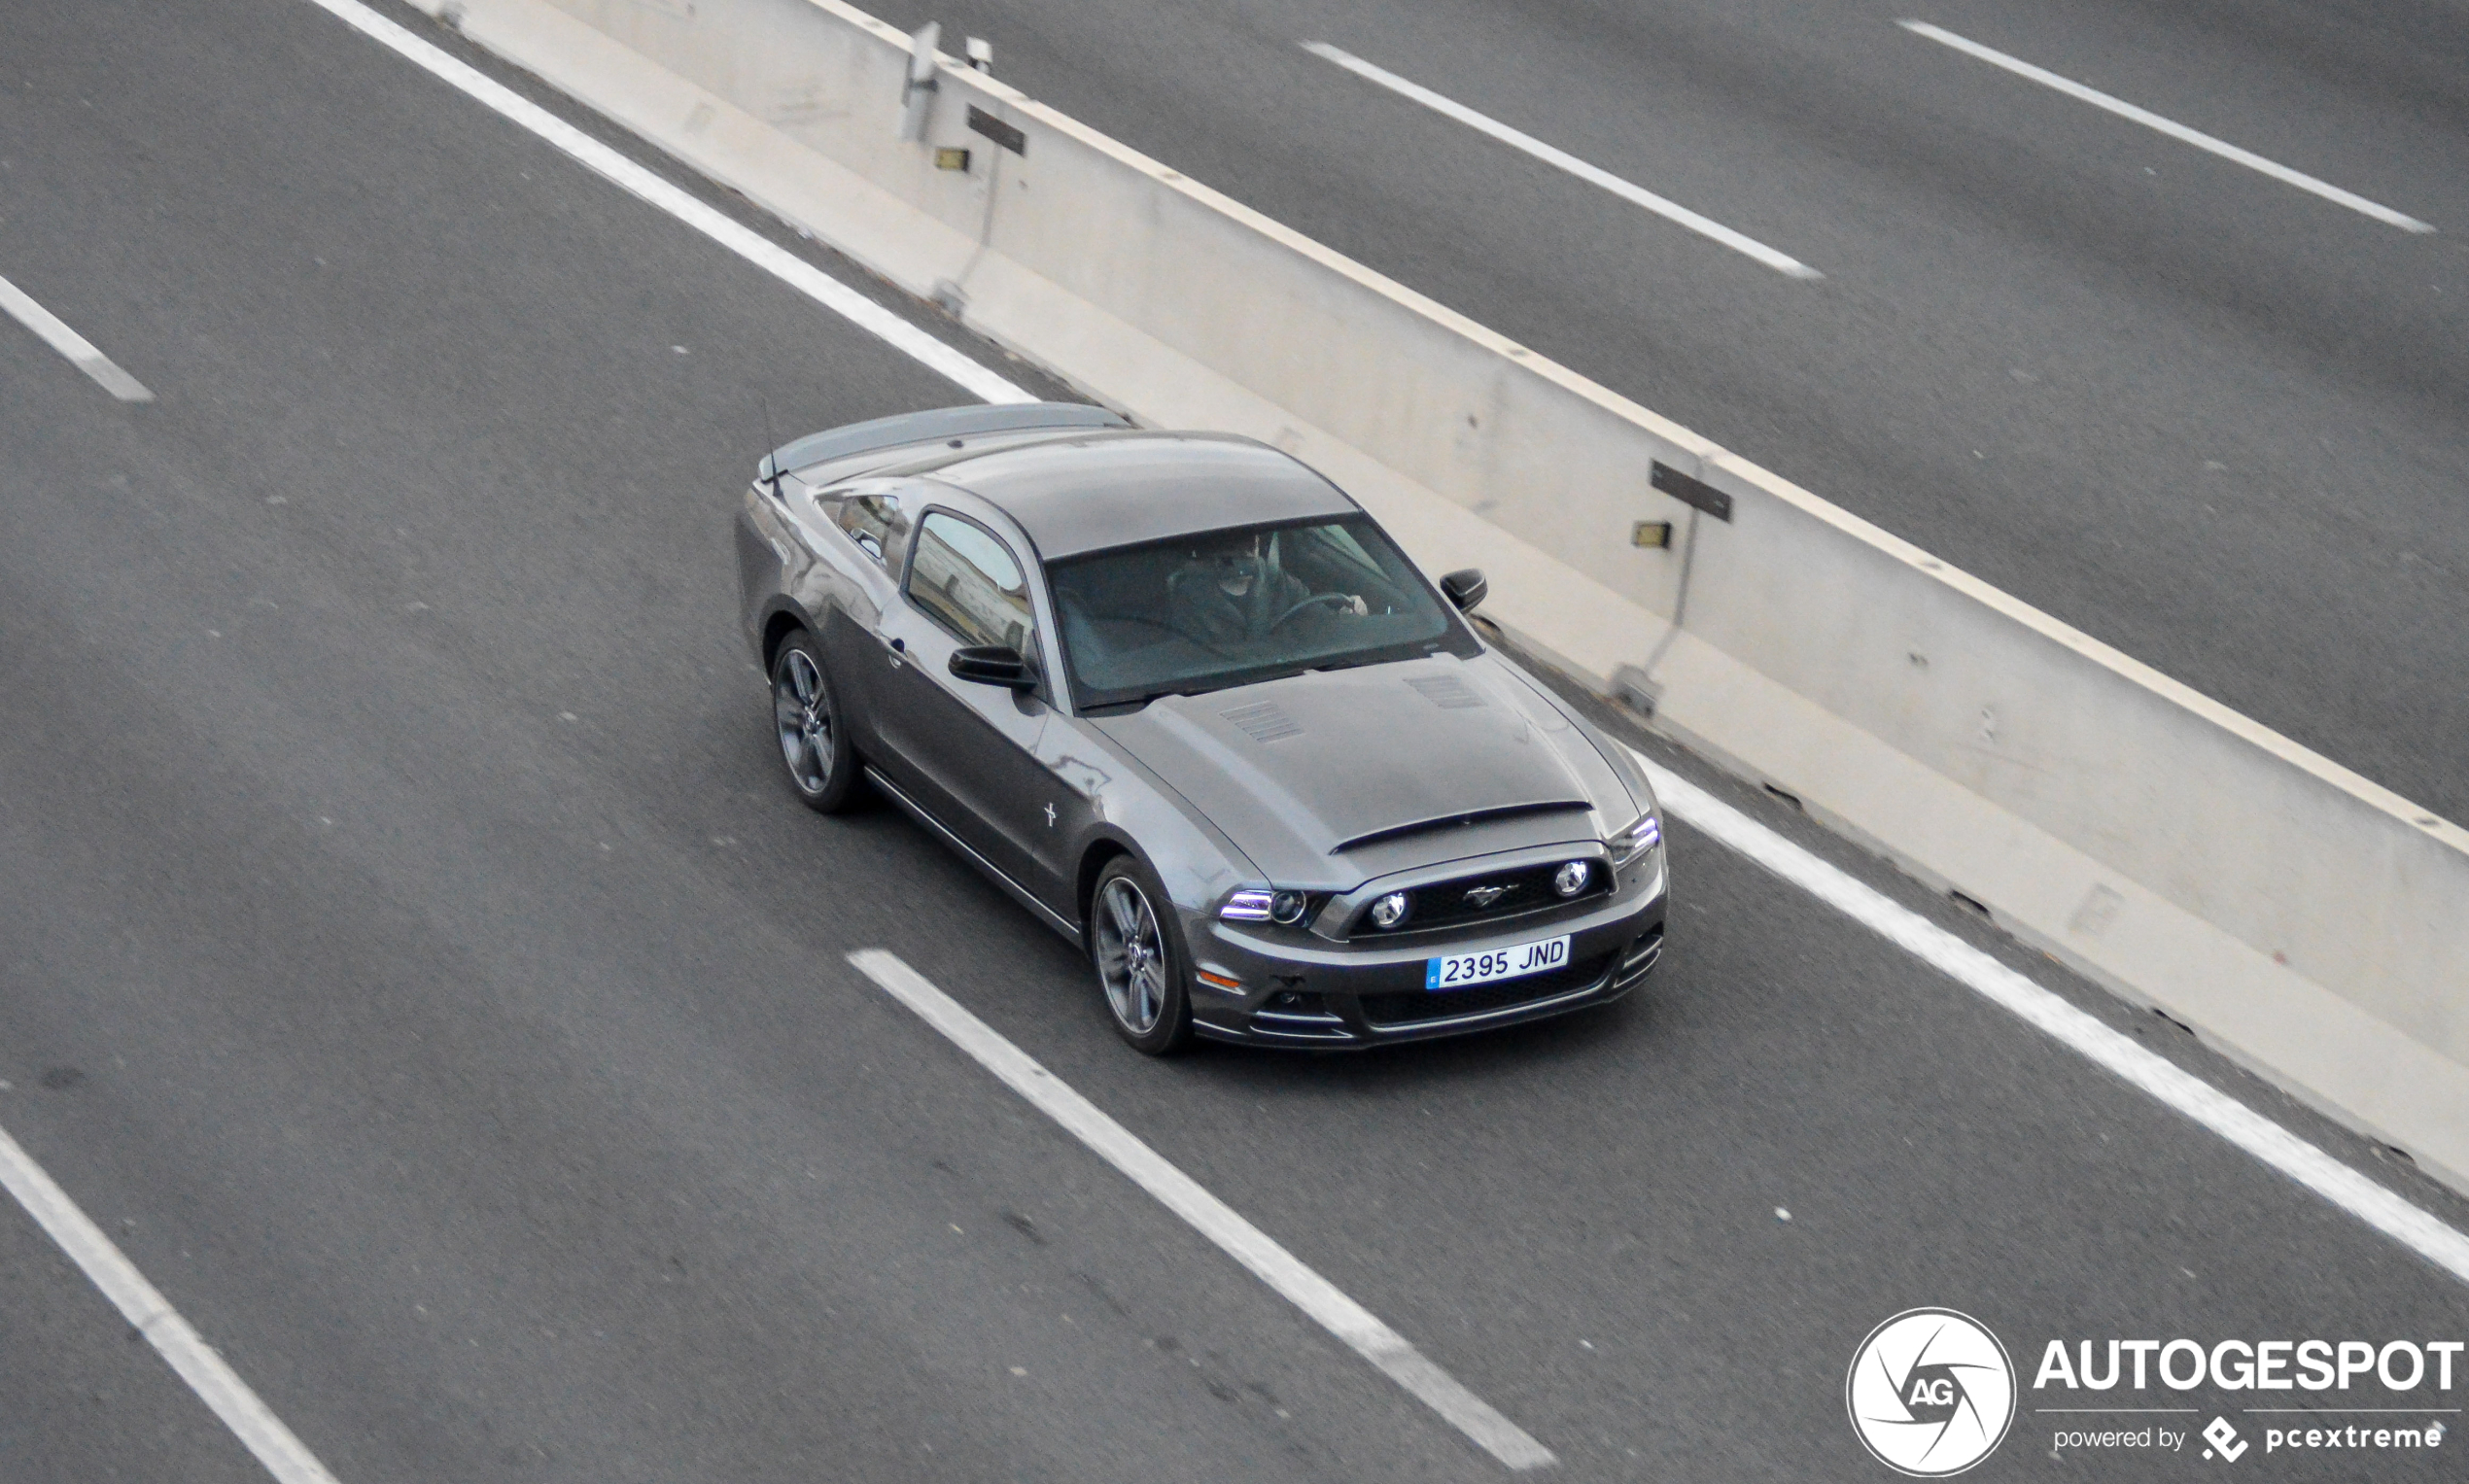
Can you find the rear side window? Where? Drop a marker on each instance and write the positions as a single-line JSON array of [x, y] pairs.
[[971, 585]]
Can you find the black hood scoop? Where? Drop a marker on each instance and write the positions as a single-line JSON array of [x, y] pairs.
[[1460, 821]]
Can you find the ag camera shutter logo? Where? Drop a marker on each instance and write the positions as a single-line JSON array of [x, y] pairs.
[[1931, 1393]]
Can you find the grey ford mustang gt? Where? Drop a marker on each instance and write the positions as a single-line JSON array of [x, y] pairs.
[[1184, 701]]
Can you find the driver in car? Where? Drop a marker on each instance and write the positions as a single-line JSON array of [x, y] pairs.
[[1240, 593]]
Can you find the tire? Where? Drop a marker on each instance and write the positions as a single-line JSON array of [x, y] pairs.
[[807, 722], [1137, 950]]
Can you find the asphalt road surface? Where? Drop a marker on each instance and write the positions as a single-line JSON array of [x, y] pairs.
[[2199, 413], [408, 955]]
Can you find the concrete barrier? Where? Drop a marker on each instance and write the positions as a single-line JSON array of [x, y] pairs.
[[2306, 920]]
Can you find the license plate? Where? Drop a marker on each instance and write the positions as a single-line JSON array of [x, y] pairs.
[[1460, 970]]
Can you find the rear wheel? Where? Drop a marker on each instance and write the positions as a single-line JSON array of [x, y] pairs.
[[806, 718], [1138, 955]]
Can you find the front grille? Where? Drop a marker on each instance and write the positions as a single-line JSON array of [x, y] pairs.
[[1413, 1008], [1445, 904]]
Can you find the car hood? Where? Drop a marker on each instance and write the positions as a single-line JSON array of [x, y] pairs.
[[1331, 778]]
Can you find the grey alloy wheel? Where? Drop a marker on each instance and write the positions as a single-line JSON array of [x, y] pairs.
[[806, 719], [1138, 958]]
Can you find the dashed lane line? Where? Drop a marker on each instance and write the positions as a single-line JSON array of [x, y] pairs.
[[80, 351], [1561, 159], [2174, 130], [146, 1311], [1357, 1327]]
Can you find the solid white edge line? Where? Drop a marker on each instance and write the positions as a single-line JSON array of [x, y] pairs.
[[2177, 131], [1357, 1327], [641, 182], [214, 1381], [2416, 1230], [1559, 158], [80, 351]]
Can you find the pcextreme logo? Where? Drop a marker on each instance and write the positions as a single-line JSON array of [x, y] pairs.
[[1931, 1393]]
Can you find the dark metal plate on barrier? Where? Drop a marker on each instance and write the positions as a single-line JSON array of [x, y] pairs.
[[1694, 492], [997, 129]]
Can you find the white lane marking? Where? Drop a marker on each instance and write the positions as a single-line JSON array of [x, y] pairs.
[[1517, 139], [2177, 131], [1351, 1321], [214, 1381], [2418, 1230], [637, 181], [81, 351]]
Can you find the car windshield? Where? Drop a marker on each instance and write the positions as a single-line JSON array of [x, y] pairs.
[[1229, 607]]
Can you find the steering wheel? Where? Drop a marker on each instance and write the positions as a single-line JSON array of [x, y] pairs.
[[1339, 600]]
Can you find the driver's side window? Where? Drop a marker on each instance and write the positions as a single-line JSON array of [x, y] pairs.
[[969, 581]]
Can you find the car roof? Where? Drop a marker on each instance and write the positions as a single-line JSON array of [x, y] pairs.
[[1083, 493]]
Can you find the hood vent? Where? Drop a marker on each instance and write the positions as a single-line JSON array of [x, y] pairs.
[[1264, 721], [1447, 692]]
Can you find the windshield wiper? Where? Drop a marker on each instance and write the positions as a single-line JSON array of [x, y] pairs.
[[1246, 678], [1136, 703]]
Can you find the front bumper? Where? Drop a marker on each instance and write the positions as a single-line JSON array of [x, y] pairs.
[[1347, 996]]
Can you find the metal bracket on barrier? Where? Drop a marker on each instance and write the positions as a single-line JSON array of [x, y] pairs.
[[919, 87], [1635, 684]]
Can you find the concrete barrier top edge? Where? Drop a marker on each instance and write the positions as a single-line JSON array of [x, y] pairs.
[[2125, 666], [1711, 456]]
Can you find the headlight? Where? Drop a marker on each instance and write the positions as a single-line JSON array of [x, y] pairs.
[[1256, 905], [1391, 910], [1635, 841], [1248, 907], [1572, 877]]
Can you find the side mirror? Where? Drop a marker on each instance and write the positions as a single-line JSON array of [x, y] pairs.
[[1465, 588], [993, 664]]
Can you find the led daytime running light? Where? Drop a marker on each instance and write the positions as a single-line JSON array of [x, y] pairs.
[[1246, 907], [1637, 839], [1253, 905]]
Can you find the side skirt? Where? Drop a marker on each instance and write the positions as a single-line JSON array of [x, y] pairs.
[[993, 873]]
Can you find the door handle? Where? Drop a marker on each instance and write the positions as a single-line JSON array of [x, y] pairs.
[[899, 647]]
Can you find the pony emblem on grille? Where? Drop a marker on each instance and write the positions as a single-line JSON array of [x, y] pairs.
[[1485, 896]]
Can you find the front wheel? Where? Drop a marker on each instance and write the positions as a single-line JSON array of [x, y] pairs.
[[1139, 956], [806, 718]]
